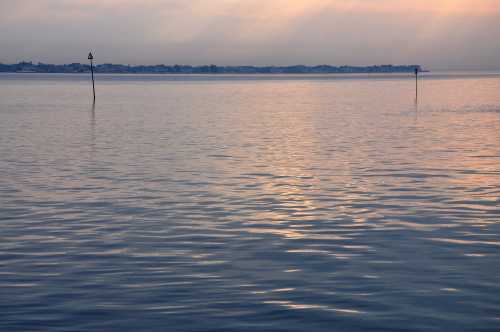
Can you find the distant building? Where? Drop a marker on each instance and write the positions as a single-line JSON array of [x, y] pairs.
[[208, 69]]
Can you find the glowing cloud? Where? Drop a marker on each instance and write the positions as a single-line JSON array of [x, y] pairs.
[[254, 31]]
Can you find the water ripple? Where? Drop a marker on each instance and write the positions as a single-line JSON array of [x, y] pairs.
[[250, 205]]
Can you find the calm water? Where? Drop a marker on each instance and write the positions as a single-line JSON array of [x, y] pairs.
[[250, 203]]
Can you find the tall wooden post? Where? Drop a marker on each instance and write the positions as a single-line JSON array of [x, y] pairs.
[[91, 58], [416, 83]]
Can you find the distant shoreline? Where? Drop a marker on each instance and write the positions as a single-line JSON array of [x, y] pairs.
[[29, 67]]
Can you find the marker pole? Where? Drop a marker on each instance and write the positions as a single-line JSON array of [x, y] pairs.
[[91, 58], [416, 84]]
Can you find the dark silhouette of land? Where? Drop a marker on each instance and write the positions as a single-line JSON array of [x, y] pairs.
[[210, 69]]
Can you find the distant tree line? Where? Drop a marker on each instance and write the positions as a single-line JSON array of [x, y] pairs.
[[210, 69]]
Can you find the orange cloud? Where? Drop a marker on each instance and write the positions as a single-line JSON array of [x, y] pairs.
[[430, 6]]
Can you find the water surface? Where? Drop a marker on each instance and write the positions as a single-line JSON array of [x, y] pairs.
[[250, 203]]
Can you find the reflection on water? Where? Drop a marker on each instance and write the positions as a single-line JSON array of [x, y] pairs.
[[250, 204], [92, 128]]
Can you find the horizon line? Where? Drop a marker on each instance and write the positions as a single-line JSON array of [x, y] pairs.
[[218, 65]]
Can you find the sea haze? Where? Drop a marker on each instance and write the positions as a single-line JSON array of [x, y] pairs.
[[250, 203]]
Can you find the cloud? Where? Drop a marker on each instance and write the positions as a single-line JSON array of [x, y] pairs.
[[435, 33]]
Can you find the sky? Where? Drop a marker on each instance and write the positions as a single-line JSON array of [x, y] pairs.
[[438, 34]]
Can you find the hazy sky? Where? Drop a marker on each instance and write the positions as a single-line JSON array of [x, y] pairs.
[[439, 34]]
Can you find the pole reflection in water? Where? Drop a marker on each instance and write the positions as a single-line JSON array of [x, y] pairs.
[[92, 128]]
